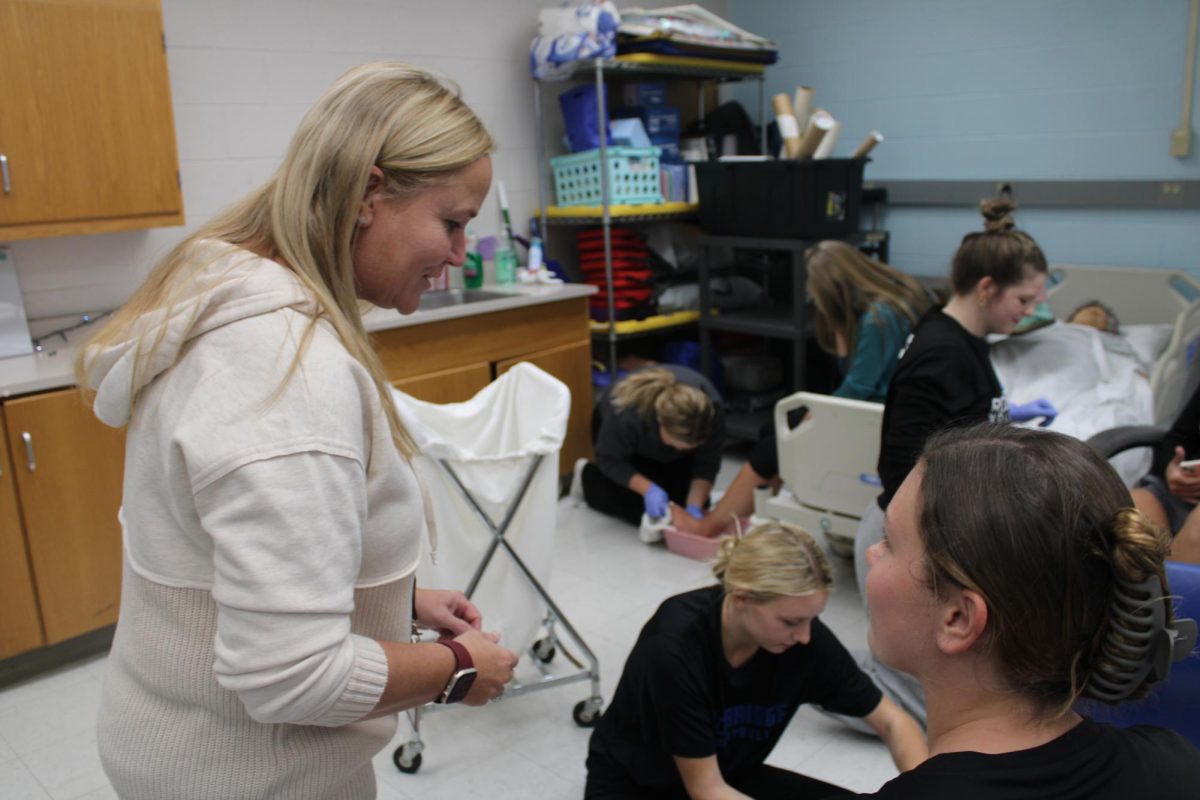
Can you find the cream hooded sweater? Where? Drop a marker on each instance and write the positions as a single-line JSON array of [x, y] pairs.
[[271, 534]]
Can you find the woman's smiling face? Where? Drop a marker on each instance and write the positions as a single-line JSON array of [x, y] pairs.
[[403, 243]]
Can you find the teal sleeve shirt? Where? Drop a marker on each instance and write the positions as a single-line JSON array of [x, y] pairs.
[[881, 334]]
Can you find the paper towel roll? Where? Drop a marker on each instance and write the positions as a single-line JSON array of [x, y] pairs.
[[868, 144], [789, 129], [828, 141], [819, 125], [802, 105]]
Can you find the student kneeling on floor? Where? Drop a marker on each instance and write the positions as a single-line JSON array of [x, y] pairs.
[[717, 674], [658, 437]]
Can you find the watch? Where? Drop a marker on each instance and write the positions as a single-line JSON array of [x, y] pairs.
[[463, 676]]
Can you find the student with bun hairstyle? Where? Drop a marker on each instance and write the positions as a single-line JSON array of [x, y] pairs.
[[657, 437], [865, 310], [717, 674], [945, 375], [1015, 579]]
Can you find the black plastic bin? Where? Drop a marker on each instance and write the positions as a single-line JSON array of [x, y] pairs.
[[787, 199]]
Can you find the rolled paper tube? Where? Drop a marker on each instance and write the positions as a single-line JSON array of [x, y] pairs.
[[828, 141], [868, 144], [802, 105], [818, 125], [789, 129]]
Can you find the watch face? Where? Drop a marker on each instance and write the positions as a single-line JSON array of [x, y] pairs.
[[460, 684]]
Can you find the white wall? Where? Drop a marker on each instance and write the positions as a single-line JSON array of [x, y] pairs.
[[242, 74]]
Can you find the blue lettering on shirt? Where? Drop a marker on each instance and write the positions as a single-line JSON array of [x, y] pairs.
[[748, 722]]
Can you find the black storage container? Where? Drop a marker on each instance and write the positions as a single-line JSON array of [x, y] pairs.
[[786, 199]]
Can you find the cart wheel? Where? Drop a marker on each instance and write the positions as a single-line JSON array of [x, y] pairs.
[[543, 650], [404, 763], [586, 714]]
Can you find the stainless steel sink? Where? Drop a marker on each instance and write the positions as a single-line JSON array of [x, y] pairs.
[[457, 297]]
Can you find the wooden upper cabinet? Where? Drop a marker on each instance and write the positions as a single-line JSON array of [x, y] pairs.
[[86, 121]]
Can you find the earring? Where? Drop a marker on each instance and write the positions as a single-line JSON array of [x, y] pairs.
[[982, 301], [362, 222]]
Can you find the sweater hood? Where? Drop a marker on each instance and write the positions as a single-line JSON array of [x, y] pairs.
[[233, 285]]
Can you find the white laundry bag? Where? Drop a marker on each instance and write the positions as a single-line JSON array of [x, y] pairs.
[[490, 441]]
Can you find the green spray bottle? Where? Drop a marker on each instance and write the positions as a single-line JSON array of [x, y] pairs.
[[473, 264]]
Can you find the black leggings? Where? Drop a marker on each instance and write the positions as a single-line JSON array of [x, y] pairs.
[[764, 783]]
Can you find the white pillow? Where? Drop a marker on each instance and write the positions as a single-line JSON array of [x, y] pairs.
[[1148, 340]]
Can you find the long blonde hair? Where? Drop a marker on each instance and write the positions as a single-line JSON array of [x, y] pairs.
[[410, 123], [845, 283], [773, 560], [685, 412]]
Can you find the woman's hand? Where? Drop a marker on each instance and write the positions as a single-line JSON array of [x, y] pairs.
[[684, 520], [494, 665], [1184, 482], [446, 611]]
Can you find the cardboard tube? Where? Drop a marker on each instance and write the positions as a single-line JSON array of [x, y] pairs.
[[868, 144], [818, 125], [802, 105], [789, 129], [828, 141]]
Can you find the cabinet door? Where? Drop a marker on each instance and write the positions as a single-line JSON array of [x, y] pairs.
[[447, 386], [20, 625], [69, 469], [86, 122], [571, 364]]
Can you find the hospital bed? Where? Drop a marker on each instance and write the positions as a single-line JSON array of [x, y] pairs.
[[828, 462]]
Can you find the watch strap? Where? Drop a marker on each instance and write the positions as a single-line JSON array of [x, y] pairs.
[[462, 656]]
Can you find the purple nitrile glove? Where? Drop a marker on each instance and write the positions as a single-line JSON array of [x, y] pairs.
[[656, 501], [695, 510], [1023, 412]]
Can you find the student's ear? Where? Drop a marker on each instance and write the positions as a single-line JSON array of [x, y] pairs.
[[739, 599], [964, 617], [366, 210], [986, 289]]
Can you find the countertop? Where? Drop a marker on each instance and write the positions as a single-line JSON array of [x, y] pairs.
[[53, 367]]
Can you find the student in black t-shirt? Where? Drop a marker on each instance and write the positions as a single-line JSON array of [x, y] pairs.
[[717, 674], [945, 378], [658, 438], [1016, 578], [945, 375]]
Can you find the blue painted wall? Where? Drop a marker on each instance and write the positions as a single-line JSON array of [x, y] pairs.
[[1009, 90]]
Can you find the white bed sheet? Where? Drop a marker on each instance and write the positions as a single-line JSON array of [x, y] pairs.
[[1096, 381]]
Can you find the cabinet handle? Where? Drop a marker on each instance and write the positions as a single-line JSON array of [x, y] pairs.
[[28, 440], [4, 174]]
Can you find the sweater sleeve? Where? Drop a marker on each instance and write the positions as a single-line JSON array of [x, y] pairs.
[[286, 534], [871, 360]]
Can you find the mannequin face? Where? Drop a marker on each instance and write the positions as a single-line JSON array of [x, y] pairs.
[[1004, 308], [899, 601], [779, 624]]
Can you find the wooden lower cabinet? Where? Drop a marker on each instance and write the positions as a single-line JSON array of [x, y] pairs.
[[20, 623], [447, 386], [443, 361], [68, 468]]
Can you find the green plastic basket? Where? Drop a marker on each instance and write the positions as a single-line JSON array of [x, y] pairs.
[[633, 177]]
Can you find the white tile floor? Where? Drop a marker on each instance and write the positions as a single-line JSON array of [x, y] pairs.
[[605, 581]]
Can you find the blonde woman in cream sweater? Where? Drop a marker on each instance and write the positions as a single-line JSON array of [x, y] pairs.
[[272, 521]]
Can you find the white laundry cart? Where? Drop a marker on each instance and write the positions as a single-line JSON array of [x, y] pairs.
[[491, 466]]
